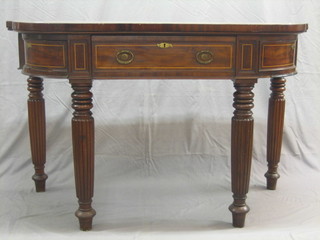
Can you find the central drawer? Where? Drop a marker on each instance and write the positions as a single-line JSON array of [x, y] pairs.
[[176, 56]]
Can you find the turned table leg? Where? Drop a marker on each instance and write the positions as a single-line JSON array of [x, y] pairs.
[[241, 148], [83, 150], [275, 130], [37, 131]]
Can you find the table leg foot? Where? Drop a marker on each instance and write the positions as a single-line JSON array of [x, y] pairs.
[[85, 218], [238, 214], [40, 182], [272, 180]]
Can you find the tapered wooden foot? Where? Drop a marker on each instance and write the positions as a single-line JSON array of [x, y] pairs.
[[40, 182], [272, 180], [37, 131], [239, 211], [241, 148], [85, 217], [83, 150], [275, 130]]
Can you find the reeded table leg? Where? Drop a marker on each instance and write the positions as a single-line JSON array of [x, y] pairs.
[[275, 130], [241, 148], [83, 150], [37, 131]]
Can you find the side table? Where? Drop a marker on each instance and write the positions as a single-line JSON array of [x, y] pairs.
[[83, 52]]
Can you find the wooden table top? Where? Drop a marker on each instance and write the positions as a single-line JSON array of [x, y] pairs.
[[196, 28]]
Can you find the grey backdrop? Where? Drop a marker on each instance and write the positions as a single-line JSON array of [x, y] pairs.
[[162, 146]]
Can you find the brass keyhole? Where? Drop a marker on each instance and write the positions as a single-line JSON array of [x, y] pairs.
[[164, 45]]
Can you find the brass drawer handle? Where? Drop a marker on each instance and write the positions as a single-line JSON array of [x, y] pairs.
[[124, 57], [204, 57]]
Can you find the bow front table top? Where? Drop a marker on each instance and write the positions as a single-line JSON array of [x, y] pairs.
[[83, 52]]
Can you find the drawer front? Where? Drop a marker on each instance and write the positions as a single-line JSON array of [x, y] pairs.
[[142, 54], [277, 55], [44, 57], [46, 54]]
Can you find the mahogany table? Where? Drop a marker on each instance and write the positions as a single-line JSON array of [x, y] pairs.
[[83, 52]]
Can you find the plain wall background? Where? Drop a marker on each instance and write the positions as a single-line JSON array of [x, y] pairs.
[[162, 146]]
